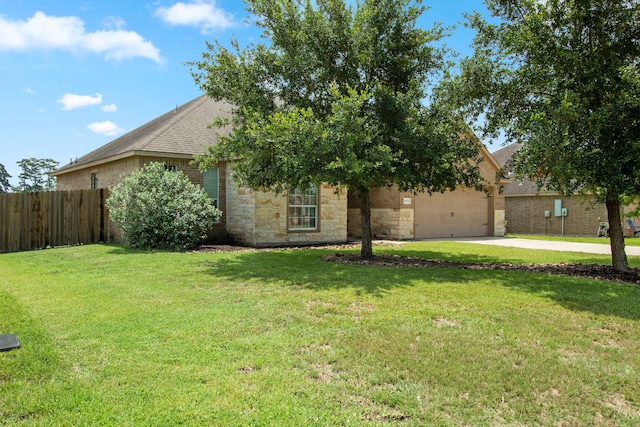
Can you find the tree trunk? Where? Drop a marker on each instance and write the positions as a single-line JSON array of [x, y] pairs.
[[365, 219], [616, 236]]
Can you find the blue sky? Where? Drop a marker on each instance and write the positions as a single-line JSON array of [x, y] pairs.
[[77, 74]]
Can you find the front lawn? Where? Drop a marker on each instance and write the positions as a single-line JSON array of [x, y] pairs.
[[112, 336]]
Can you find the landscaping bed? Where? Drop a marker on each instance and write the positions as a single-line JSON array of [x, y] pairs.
[[591, 271]]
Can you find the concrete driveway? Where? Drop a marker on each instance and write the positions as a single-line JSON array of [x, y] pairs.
[[592, 248]]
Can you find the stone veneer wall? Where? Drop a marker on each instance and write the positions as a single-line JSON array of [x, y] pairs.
[[260, 218], [494, 187], [386, 223], [390, 219], [240, 212], [499, 223]]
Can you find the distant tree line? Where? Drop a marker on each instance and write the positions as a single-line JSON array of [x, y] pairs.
[[5, 187], [35, 176]]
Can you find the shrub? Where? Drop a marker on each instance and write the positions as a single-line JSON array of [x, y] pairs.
[[162, 209]]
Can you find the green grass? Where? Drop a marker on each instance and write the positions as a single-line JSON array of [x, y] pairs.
[[112, 336], [628, 241]]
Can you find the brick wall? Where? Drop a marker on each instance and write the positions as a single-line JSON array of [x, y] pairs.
[[526, 215], [111, 173]]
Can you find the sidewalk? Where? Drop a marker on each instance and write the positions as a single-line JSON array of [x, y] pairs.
[[592, 248]]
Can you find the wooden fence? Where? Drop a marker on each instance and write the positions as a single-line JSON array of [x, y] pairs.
[[52, 218]]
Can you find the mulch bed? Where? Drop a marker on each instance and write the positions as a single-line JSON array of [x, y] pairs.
[[592, 271]]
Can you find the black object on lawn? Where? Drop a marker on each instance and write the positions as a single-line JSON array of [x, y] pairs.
[[8, 342]]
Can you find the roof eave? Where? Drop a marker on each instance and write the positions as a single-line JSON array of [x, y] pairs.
[[133, 153]]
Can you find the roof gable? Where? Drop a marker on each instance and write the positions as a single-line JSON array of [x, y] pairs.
[[505, 154], [524, 187]]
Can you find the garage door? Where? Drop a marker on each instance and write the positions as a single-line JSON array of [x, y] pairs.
[[461, 213]]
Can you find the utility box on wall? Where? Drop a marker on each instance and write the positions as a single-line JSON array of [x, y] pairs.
[[558, 207]]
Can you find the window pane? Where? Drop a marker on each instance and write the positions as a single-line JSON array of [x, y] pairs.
[[303, 209], [211, 182], [211, 177]]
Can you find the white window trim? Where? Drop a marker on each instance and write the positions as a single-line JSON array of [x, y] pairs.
[[316, 206]]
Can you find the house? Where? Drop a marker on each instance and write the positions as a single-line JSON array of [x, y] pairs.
[[318, 215], [531, 210]]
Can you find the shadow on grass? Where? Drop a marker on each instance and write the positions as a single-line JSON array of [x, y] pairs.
[[515, 256], [306, 269]]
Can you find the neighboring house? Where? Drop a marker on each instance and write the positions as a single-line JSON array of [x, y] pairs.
[[530, 210], [318, 215]]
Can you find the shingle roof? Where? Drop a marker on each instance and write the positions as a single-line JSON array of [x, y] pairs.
[[181, 131], [516, 187], [505, 154]]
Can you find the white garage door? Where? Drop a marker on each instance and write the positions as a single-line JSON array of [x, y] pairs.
[[461, 213]]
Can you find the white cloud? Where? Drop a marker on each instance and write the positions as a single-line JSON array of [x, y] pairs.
[[72, 101], [109, 108], [120, 44], [29, 91], [107, 128], [114, 22], [42, 32], [197, 13]]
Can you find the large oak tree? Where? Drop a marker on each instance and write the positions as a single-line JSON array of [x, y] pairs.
[[562, 77], [337, 94]]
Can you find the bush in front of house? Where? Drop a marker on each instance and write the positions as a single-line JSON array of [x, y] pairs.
[[161, 209]]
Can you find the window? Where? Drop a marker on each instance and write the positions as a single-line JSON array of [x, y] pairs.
[[94, 181], [211, 184], [303, 209], [172, 168]]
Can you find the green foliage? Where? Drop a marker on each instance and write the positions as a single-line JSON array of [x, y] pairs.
[[5, 187], [340, 96], [157, 208], [36, 175], [629, 200], [562, 78]]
